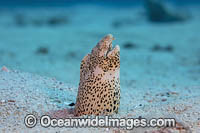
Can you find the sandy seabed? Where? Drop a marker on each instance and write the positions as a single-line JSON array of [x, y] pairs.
[[155, 82]]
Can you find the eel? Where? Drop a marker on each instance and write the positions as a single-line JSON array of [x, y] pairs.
[[99, 86]]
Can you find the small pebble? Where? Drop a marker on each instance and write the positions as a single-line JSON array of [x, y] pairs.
[[169, 48], [42, 50], [163, 100], [71, 104], [4, 69], [129, 45], [12, 101], [158, 47], [57, 20]]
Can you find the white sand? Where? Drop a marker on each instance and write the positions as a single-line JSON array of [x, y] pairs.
[[25, 93]]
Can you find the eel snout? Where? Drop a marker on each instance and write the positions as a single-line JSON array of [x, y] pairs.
[[104, 47]]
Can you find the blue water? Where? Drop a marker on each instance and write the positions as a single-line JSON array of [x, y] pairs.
[[118, 3], [80, 28]]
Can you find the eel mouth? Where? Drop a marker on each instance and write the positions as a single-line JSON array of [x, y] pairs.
[[109, 48]]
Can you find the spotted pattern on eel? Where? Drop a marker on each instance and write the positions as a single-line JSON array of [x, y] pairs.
[[99, 86]]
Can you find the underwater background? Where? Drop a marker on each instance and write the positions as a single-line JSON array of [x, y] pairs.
[[159, 51], [51, 37]]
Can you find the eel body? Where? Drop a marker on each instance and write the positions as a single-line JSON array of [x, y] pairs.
[[99, 86]]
